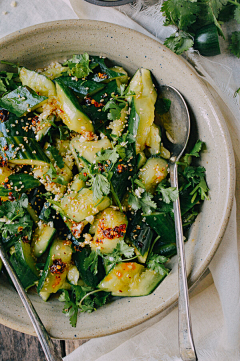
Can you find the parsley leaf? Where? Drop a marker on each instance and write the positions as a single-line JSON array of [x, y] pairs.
[[169, 194], [100, 187], [235, 43], [79, 65], [156, 262]]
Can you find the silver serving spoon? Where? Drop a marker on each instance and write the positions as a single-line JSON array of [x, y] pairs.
[[177, 127], [48, 347]]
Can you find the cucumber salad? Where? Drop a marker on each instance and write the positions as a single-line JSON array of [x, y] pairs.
[[86, 206]]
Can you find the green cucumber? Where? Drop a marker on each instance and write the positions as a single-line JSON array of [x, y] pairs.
[[79, 205], [163, 225], [25, 255], [97, 116], [20, 183], [111, 228], [56, 267], [140, 235], [38, 82], [206, 40], [167, 250], [43, 127], [82, 87], [24, 273], [89, 149], [142, 107], [21, 150], [71, 112], [153, 172], [42, 237], [14, 126], [22, 101], [121, 178], [130, 279]]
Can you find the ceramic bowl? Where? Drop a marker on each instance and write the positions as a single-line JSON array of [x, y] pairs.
[[36, 47]]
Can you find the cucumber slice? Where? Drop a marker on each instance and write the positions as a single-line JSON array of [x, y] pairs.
[[24, 273], [21, 150], [88, 150], [14, 127], [163, 225], [118, 125], [56, 267], [77, 184], [153, 172], [22, 100], [82, 87], [44, 295], [42, 237], [71, 112], [142, 107], [54, 70], [38, 82], [5, 172], [79, 205], [140, 235], [73, 275], [131, 279], [153, 141], [111, 228], [43, 127], [141, 159], [24, 254]]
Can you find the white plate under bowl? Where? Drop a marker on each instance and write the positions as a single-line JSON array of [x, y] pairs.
[[36, 47]]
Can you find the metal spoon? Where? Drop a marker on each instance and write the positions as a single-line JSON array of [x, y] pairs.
[[177, 127], [48, 347]]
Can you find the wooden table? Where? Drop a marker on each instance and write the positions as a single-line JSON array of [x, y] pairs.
[[15, 343]]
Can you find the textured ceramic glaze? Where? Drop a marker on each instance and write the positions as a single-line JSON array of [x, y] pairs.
[[39, 45]]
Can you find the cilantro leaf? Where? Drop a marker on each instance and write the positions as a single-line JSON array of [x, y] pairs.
[[56, 156], [114, 109], [180, 13], [108, 154], [156, 262], [92, 262], [179, 42], [195, 152], [235, 43], [169, 194], [100, 187], [70, 309], [237, 14], [122, 249], [144, 202], [79, 65]]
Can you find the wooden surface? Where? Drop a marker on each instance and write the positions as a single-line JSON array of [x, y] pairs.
[[16, 346]]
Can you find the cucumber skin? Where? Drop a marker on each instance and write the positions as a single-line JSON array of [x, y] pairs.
[[30, 149], [25, 274], [206, 40], [163, 225]]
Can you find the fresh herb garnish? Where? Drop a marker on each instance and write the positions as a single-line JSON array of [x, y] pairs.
[[79, 65]]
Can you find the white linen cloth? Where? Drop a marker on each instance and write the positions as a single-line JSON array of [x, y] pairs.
[[215, 308]]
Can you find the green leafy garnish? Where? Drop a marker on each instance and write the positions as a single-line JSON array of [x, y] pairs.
[[100, 187], [143, 202], [79, 65], [156, 263], [169, 194], [114, 109], [235, 43]]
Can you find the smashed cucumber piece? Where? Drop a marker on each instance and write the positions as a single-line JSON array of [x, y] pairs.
[[130, 279]]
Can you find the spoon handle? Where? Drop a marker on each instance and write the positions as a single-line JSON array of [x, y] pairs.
[[48, 347], [185, 337]]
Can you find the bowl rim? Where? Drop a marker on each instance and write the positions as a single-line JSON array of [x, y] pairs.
[[29, 32]]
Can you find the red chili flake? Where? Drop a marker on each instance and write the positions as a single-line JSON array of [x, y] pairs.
[[111, 233], [58, 266], [101, 168], [121, 168], [3, 162], [4, 115], [34, 120], [25, 239], [85, 174], [11, 197], [90, 101], [102, 75]]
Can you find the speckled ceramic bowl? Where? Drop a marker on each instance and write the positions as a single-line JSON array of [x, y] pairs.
[[37, 46]]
